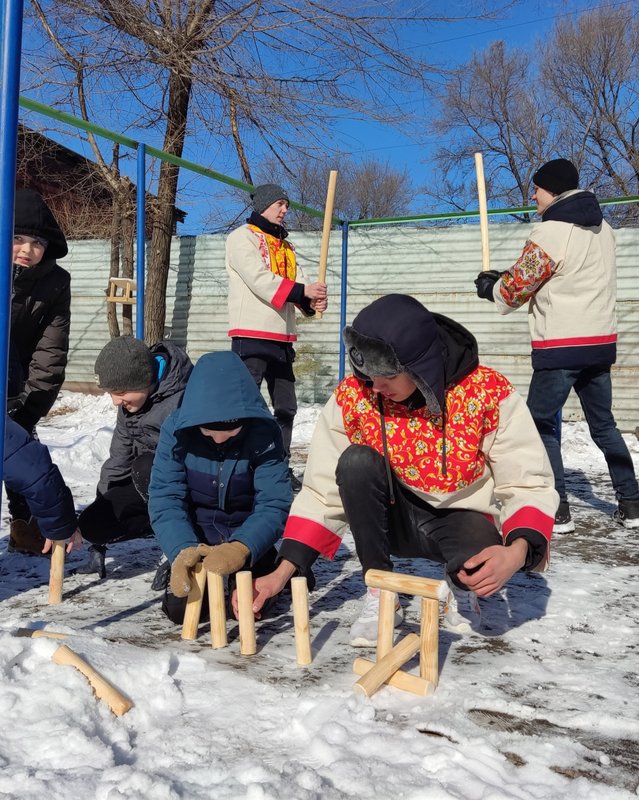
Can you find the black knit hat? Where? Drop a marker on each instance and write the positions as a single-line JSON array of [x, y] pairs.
[[125, 364], [265, 195], [557, 176], [394, 334], [33, 217]]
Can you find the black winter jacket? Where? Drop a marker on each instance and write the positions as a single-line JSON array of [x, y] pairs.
[[139, 433], [40, 315]]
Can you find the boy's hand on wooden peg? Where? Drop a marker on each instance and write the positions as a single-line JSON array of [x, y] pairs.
[[181, 570], [226, 558]]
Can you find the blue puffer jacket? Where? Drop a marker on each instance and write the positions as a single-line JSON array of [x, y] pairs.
[[203, 492], [28, 469]]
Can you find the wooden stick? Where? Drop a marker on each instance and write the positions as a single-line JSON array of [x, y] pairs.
[[429, 637], [299, 593], [116, 701], [386, 624], [217, 610], [369, 683], [31, 633], [406, 584], [399, 680], [194, 603], [56, 574], [244, 583], [483, 211], [326, 228]]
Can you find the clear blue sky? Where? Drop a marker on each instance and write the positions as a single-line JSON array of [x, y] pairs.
[[446, 44]]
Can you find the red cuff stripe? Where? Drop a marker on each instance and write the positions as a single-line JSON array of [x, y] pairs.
[[313, 535], [529, 517], [252, 334], [281, 295]]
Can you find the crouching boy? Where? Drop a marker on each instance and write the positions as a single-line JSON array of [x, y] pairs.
[[146, 384], [220, 490]]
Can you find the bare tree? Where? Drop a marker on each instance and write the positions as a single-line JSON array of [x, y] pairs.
[[262, 71], [595, 85], [492, 105]]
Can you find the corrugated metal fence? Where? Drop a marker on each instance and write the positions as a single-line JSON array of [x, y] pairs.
[[436, 265]]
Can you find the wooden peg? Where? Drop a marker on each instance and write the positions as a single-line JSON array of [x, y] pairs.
[[399, 680], [403, 651], [244, 583], [217, 610], [429, 641], [194, 603], [406, 584], [299, 592], [386, 624], [56, 574]]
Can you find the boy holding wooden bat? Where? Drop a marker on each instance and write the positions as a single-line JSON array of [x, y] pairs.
[[266, 286]]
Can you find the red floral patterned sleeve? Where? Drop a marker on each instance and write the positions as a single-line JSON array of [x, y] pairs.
[[521, 281]]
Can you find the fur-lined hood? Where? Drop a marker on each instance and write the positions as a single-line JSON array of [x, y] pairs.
[[396, 333]]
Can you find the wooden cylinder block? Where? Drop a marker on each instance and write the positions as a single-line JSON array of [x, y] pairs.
[[369, 683], [217, 610], [399, 680], [429, 638], [244, 579], [406, 584], [56, 574], [386, 624], [299, 592], [194, 603]]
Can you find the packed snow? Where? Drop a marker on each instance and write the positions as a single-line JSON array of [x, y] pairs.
[[540, 705]]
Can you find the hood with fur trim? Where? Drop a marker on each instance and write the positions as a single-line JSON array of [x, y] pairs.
[[396, 333]]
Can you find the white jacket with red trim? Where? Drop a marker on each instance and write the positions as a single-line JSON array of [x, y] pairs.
[[258, 306], [496, 463], [567, 273]]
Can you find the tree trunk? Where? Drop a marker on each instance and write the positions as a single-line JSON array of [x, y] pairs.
[[163, 219]]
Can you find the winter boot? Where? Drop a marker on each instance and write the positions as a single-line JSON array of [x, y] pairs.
[[628, 513], [95, 562], [25, 537], [364, 629], [461, 612], [563, 520], [162, 575], [296, 483]]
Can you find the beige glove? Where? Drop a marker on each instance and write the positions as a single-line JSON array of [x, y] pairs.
[[224, 558], [181, 569]]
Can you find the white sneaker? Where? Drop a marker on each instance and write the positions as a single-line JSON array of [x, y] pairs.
[[364, 629], [461, 612]]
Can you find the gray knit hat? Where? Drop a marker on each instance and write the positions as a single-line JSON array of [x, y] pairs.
[[267, 194], [125, 364]]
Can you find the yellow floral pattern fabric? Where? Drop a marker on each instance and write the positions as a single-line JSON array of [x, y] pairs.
[[279, 253], [415, 438]]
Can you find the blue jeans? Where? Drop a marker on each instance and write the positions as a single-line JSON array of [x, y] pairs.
[[549, 390]]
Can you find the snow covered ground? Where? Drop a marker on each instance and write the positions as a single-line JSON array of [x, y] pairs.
[[541, 705]]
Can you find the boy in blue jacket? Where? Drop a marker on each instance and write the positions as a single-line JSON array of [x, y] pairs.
[[220, 490], [27, 468]]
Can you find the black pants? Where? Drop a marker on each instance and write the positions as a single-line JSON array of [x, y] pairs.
[[174, 607], [411, 527], [121, 513]]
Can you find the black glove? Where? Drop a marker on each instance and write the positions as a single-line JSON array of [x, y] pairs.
[[23, 417], [485, 282]]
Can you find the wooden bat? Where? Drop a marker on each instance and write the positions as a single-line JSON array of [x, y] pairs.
[[483, 211], [116, 701], [56, 574], [34, 633], [326, 228]]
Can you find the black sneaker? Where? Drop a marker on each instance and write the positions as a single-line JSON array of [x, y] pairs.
[[95, 562], [628, 513], [563, 520], [296, 483], [162, 575]]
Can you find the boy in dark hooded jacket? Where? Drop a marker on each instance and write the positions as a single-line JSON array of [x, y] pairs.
[[424, 453], [220, 490], [146, 384], [39, 333], [28, 469]]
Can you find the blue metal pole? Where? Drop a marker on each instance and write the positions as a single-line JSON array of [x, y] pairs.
[[344, 298], [140, 254], [10, 54]]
